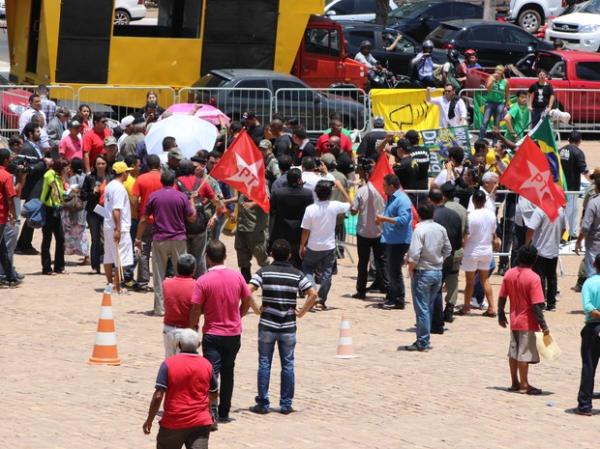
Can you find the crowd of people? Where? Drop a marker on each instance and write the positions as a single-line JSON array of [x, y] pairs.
[[98, 194]]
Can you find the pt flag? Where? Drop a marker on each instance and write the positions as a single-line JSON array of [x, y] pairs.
[[243, 168], [543, 135], [529, 175]]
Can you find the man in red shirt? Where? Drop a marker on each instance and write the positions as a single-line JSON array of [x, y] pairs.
[[186, 383], [223, 296], [7, 215], [524, 288], [145, 185], [93, 141], [177, 295], [336, 130]]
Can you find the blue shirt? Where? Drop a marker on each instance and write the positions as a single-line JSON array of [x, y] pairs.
[[398, 207], [590, 297]]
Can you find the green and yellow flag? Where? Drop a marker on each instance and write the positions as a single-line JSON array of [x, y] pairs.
[[544, 137]]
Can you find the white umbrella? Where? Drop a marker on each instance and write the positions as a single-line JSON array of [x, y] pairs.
[[191, 133]]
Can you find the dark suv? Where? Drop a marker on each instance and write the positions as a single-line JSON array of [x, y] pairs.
[[265, 92], [495, 42]]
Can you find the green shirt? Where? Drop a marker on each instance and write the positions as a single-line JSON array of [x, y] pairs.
[[498, 92], [53, 189], [520, 121]]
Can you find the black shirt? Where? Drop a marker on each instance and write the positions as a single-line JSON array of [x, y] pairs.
[[573, 164], [344, 163], [282, 145], [367, 147], [421, 156], [541, 95], [308, 150], [256, 133], [451, 221], [406, 171], [287, 210]]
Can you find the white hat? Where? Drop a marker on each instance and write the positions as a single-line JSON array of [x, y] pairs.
[[126, 121]]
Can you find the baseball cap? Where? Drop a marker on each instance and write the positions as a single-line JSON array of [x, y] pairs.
[[265, 144], [74, 124], [126, 121], [120, 167], [110, 140], [175, 153]]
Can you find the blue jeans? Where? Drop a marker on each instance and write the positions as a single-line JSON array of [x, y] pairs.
[[325, 260], [491, 109], [286, 342], [425, 286], [394, 256], [588, 261]]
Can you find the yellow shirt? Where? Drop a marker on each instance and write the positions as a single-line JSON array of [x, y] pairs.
[[129, 187]]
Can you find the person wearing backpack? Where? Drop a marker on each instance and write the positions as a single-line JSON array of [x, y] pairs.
[[193, 183], [52, 197]]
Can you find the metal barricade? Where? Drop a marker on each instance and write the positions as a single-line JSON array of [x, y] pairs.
[[314, 107], [14, 100], [232, 101], [119, 101]]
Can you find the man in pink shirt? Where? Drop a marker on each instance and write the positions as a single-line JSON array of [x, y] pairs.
[[221, 294], [70, 145], [177, 294], [524, 288]]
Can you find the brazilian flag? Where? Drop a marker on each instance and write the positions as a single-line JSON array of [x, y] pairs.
[[543, 135], [479, 102]]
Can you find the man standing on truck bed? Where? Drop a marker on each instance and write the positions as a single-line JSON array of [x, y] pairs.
[[541, 97]]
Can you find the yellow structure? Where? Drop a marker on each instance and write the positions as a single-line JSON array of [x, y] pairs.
[[74, 42]]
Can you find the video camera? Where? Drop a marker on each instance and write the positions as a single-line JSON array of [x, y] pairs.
[[22, 164]]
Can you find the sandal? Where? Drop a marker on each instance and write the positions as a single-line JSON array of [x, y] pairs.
[[463, 312], [532, 391], [513, 389], [490, 314]]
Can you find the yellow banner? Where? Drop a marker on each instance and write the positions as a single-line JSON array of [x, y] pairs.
[[404, 109]]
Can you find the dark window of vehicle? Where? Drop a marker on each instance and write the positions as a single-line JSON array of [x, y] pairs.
[[443, 33], [176, 18], [440, 11], [546, 62], [356, 37], [467, 11], [365, 6], [407, 10], [589, 71], [252, 84], [485, 34], [291, 95], [211, 80], [517, 36], [404, 46], [322, 41], [343, 7]]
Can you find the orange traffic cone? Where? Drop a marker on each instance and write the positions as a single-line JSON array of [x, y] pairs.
[[105, 347], [344, 347]]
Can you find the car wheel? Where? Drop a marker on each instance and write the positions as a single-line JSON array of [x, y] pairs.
[[530, 20], [122, 17]]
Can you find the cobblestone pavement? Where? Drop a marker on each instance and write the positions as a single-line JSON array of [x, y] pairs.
[[451, 397]]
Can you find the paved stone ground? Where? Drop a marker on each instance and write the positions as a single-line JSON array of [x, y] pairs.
[[452, 397]]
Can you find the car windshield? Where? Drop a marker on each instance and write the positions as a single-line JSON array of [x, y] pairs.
[[211, 80], [592, 7], [408, 10]]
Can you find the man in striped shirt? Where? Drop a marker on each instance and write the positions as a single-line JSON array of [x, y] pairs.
[[280, 283]]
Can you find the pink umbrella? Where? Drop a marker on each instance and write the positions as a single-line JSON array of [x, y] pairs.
[[203, 111]]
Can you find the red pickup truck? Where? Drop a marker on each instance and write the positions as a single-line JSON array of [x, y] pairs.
[[574, 75]]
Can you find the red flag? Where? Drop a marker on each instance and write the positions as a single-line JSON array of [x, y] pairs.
[[529, 175], [383, 168], [243, 168]]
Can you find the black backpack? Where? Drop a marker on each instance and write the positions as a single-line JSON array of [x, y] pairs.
[[198, 226]]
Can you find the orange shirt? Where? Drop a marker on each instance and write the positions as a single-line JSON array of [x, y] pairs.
[[145, 185]]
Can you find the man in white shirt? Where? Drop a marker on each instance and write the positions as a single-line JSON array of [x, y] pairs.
[[118, 250], [546, 236], [317, 243], [35, 107], [312, 174], [453, 111], [365, 57], [489, 184]]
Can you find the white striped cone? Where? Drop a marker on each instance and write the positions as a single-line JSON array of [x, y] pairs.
[[105, 347], [344, 347]]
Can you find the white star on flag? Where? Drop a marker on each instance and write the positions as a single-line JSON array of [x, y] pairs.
[[247, 173], [538, 181]]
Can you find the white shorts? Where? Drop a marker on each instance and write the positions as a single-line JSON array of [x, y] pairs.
[[125, 248], [476, 263]]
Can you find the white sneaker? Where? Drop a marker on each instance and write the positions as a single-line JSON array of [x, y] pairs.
[[476, 305]]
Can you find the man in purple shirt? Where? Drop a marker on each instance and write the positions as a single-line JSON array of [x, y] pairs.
[[170, 209]]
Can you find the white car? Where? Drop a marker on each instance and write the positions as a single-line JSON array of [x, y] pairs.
[[360, 10], [2, 8], [531, 14], [128, 10], [580, 30]]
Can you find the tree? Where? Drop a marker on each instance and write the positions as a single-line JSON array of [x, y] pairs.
[[382, 8]]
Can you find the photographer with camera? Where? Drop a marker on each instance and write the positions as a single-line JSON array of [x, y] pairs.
[[33, 163], [423, 65]]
